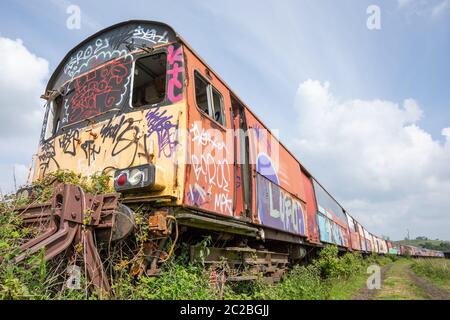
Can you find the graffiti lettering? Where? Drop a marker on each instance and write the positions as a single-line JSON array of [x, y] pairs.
[[204, 138], [67, 141], [124, 135], [277, 208], [47, 157], [174, 74], [158, 122], [213, 173], [211, 167], [150, 35], [89, 150], [75, 64], [196, 195], [98, 91], [223, 203]]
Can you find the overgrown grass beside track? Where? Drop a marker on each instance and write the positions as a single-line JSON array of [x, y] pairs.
[[436, 270]]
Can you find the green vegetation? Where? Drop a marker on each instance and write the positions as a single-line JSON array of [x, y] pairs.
[[435, 270]]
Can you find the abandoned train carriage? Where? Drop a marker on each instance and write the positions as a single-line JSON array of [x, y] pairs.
[[136, 102]]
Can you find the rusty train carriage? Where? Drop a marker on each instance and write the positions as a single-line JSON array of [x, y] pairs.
[[136, 102]]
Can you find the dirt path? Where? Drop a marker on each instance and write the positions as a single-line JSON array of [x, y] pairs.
[[433, 292], [399, 282]]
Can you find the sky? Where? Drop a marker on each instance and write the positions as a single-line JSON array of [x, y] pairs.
[[366, 110]]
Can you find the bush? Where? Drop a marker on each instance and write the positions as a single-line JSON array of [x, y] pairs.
[[332, 266], [177, 282], [301, 283]]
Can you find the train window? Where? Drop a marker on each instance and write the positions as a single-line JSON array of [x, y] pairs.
[[351, 224], [201, 93], [326, 202], [53, 117], [149, 83], [217, 106], [209, 100]]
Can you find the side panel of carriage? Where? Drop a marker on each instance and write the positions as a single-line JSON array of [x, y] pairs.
[[331, 219], [279, 199], [311, 209], [354, 235], [210, 173]]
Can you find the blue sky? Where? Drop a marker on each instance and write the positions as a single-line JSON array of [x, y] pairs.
[[279, 56]]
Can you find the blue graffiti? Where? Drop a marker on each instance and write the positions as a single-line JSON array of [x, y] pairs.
[[278, 209]]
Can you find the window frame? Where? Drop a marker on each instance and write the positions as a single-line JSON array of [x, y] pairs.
[[136, 58], [209, 93], [51, 104]]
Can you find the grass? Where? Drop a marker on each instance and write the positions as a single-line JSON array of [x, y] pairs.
[[435, 270], [345, 290]]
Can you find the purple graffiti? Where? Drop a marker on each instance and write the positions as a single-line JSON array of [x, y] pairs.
[[277, 208], [158, 122], [265, 167], [196, 195], [175, 70]]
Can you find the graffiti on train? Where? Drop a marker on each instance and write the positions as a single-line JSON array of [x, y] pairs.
[[159, 123], [211, 170], [98, 91], [175, 74], [277, 208], [114, 44]]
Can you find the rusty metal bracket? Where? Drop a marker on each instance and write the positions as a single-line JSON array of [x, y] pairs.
[[70, 219]]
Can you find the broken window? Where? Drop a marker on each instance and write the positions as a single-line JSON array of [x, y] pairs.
[[53, 117], [149, 84], [209, 100]]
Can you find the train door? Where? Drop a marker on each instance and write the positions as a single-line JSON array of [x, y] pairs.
[[209, 177], [242, 168]]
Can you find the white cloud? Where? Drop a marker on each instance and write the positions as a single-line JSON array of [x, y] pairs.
[[22, 80], [376, 159]]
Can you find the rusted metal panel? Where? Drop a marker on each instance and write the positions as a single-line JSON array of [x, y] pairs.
[[69, 220], [210, 178], [354, 235]]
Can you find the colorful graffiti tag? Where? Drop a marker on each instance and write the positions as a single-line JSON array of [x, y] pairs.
[[277, 208], [98, 91], [175, 74], [211, 168], [112, 44], [159, 123]]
